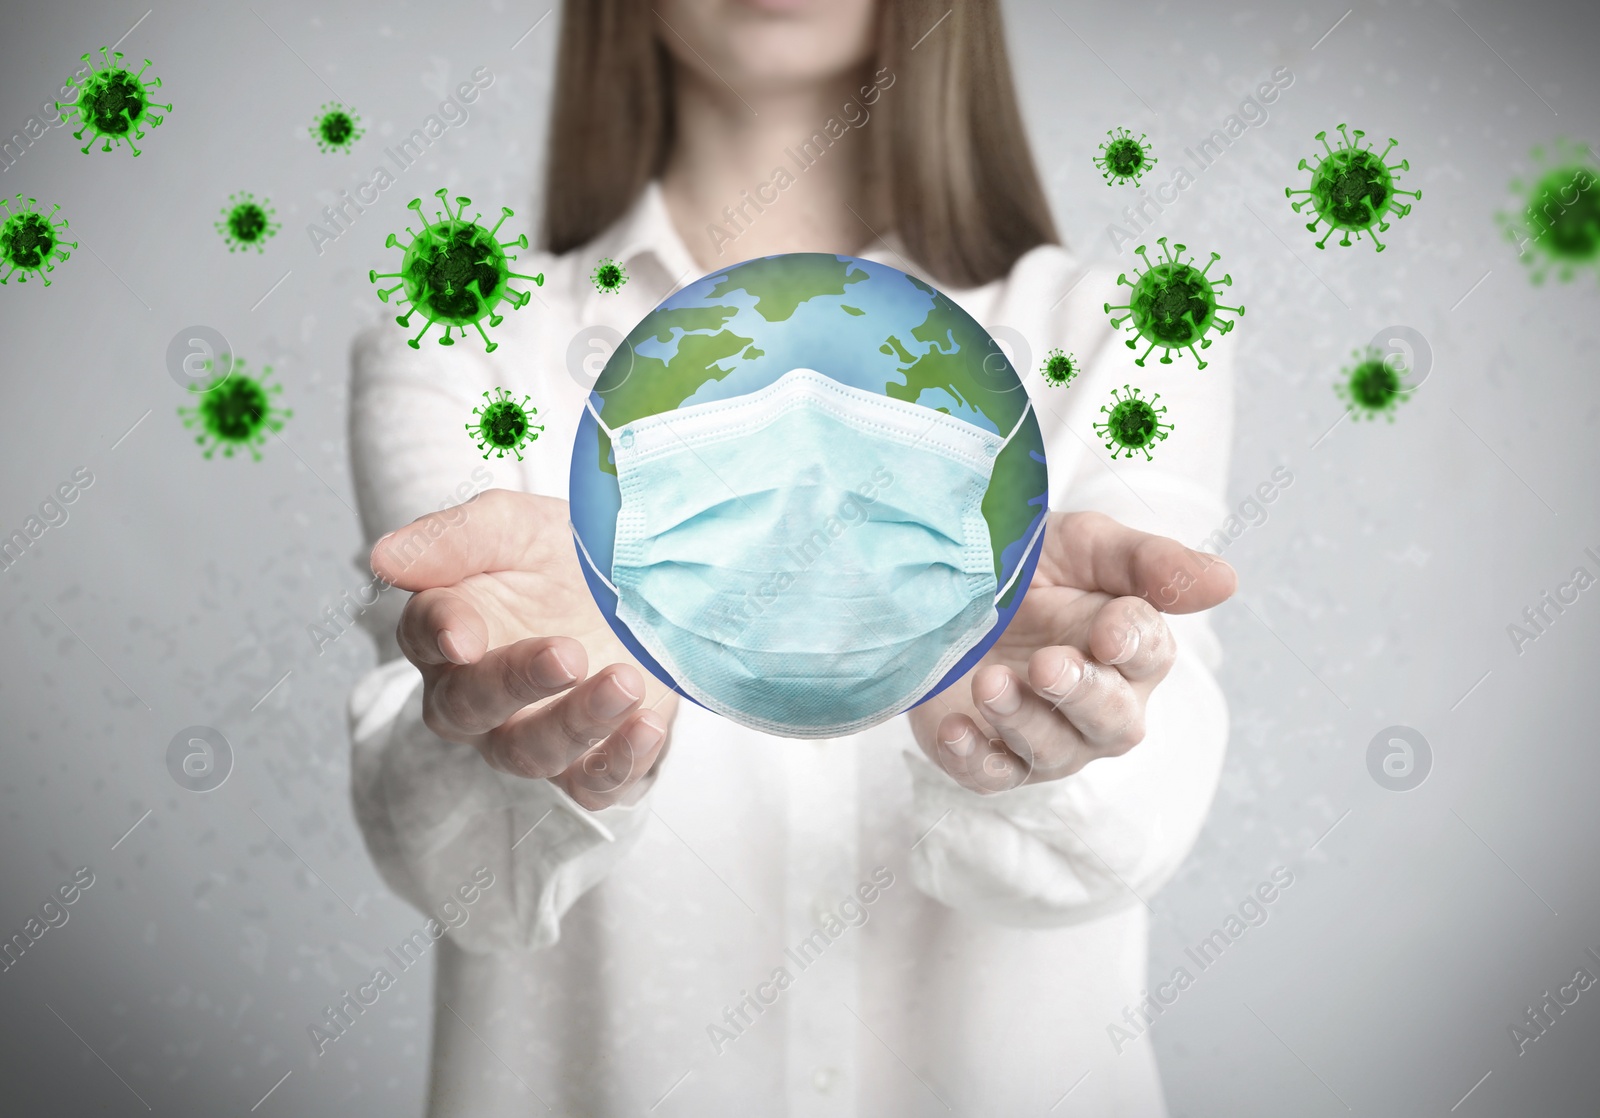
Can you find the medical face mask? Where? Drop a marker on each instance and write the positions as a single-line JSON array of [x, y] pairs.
[[808, 559]]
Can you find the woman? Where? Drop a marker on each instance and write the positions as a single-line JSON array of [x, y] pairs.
[[943, 912]]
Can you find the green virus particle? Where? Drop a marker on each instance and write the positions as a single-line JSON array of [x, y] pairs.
[[1560, 217], [503, 424], [1059, 368], [235, 411], [336, 128], [30, 241], [1123, 159], [113, 104], [1132, 423], [247, 223], [1173, 305], [1371, 386], [455, 272], [1353, 189], [608, 276]]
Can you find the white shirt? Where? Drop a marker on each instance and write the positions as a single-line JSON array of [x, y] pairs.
[[603, 972]]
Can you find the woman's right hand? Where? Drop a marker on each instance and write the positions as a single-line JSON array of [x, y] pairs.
[[503, 629]]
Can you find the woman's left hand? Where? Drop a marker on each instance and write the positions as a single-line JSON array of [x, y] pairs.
[[1068, 680]]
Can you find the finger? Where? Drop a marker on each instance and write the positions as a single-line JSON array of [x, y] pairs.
[[543, 741], [1091, 551], [1105, 710], [1130, 635], [974, 760], [462, 702], [442, 627], [609, 773], [1042, 738], [508, 531]]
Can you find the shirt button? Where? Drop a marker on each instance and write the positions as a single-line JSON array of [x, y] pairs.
[[825, 1079], [820, 911]]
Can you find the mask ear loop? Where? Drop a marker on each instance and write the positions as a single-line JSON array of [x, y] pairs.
[[610, 434], [1043, 520], [595, 567], [1017, 427], [1023, 561]]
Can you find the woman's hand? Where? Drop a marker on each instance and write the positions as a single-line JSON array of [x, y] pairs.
[[1069, 678], [503, 629]]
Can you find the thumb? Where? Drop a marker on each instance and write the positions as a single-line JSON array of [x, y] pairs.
[[498, 530], [1091, 551]]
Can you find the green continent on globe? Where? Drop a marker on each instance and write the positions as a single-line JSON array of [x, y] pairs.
[[866, 325], [781, 283], [1560, 214], [657, 385]]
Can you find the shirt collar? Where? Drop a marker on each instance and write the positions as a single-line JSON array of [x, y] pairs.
[[644, 233]]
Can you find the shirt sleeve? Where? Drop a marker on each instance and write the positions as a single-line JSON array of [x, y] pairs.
[[432, 812], [433, 815], [1109, 835]]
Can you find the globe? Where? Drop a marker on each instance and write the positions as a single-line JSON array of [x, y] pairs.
[[863, 324]]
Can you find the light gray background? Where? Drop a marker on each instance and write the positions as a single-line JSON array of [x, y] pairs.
[[1377, 593]]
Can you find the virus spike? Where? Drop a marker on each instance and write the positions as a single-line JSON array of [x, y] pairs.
[[1123, 159], [416, 204], [235, 410], [1132, 423], [1174, 304], [455, 272], [31, 242]]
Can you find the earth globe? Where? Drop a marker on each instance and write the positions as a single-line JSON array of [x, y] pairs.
[[864, 325]]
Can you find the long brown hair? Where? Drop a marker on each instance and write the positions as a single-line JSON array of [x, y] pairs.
[[950, 158]]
